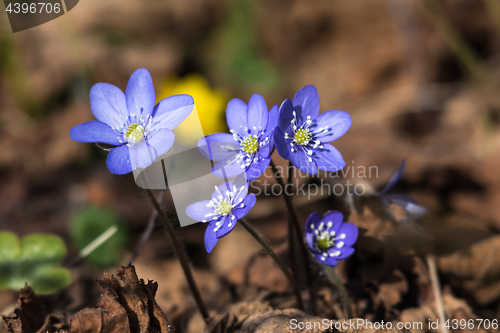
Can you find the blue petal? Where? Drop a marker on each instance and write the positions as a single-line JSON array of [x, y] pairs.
[[328, 158], [198, 210], [337, 122], [108, 104], [140, 94], [272, 122], [227, 226], [270, 146], [141, 155], [210, 237], [227, 186], [249, 202], [267, 150], [329, 261], [258, 114], [236, 115], [285, 117], [228, 168], [118, 161], [300, 160], [218, 146], [255, 169], [172, 111], [351, 234], [306, 100], [344, 252], [161, 140], [95, 131], [313, 219], [282, 146], [395, 178], [309, 240], [336, 218], [240, 182], [412, 210]]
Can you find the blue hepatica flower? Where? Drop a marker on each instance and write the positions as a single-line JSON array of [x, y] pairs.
[[411, 211], [249, 146], [229, 203], [329, 239], [140, 130], [302, 135]]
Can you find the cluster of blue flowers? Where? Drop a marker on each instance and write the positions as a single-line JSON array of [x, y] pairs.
[[140, 131], [300, 135]]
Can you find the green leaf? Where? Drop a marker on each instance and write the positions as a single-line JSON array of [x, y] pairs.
[[34, 260], [50, 280], [46, 248], [91, 222], [10, 247]]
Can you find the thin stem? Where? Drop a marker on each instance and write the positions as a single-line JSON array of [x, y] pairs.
[[278, 261], [431, 262], [291, 232], [294, 220], [181, 254], [147, 231], [460, 48], [346, 301]]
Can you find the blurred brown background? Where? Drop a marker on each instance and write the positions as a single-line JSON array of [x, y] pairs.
[[420, 79]]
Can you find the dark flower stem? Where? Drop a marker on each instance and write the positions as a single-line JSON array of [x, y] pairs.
[[343, 292], [180, 254], [294, 220], [291, 232], [278, 261]]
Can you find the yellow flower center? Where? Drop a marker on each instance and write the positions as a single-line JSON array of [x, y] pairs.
[[303, 136], [250, 144], [324, 241], [224, 207], [135, 132]]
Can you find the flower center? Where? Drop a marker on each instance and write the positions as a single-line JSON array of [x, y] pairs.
[[250, 144], [224, 207], [135, 132], [303, 136], [324, 241]]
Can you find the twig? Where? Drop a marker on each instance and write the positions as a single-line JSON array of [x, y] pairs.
[[431, 262], [148, 230], [92, 246]]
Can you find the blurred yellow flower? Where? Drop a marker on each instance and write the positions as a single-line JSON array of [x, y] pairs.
[[210, 106]]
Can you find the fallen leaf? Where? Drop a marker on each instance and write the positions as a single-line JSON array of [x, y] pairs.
[[127, 305]]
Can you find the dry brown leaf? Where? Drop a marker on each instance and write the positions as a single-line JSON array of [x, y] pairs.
[[454, 309], [479, 267], [259, 317], [29, 315], [127, 305]]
